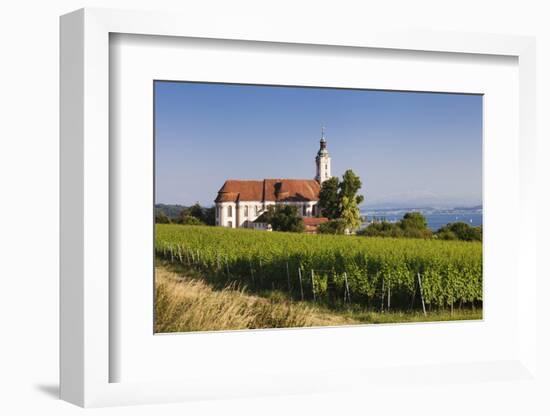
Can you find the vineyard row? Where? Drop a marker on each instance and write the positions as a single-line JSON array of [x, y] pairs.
[[372, 272]]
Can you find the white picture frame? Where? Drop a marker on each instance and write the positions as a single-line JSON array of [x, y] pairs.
[[86, 216]]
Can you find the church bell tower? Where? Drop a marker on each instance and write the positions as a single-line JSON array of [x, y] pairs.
[[322, 160]]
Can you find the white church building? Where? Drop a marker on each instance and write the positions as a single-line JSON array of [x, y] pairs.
[[240, 202]]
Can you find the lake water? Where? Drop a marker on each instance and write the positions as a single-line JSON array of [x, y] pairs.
[[437, 220]]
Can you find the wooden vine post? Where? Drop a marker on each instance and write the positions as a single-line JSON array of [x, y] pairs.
[[421, 293], [313, 284], [347, 288], [261, 274], [383, 293], [288, 277], [251, 273], [301, 286]]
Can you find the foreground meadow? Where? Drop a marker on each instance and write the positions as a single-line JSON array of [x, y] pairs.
[[187, 302], [288, 279]]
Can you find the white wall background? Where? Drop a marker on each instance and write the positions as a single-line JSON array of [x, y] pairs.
[[29, 184]]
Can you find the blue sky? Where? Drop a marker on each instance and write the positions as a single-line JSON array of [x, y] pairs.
[[410, 149]]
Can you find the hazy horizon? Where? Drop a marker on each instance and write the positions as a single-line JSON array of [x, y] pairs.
[[410, 149]]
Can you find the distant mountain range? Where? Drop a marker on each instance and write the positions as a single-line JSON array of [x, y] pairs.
[[474, 208], [425, 210], [420, 199]]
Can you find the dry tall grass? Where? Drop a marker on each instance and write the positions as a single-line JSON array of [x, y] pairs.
[[184, 304]]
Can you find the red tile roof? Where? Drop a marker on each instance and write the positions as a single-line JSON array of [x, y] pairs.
[[235, 190], [314, 221], [275, 190]]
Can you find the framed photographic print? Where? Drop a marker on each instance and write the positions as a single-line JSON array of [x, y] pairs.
[[268, 212]]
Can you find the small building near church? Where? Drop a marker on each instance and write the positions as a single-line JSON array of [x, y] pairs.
[[261, 223], [312, 224], [240, 202]]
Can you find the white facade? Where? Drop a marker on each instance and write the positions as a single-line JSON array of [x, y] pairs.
[[244, 213], [323, 168], [239, 214]]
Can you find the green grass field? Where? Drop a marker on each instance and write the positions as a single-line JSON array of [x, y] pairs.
[[355, 279]]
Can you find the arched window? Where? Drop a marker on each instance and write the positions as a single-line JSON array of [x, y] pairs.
[[246, 210], [304, 210], [230, 211]]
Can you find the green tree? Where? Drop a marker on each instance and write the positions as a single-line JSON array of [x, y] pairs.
[[329, 202], [459, 231], [161, 218], [412, 225], [202, 214], [197, 211], [284, 218], [190, 220], [191, 215], [332, 227], [382, 229], [446, 234], [350, 185], [210, 215], [335, 195], [349, 212], [184, 212], [414, 220]]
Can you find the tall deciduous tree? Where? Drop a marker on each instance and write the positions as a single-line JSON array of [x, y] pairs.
[[350, 185], [329, 202], [210, 216], [339, 199], [414, 220], [197, 211], [350, 214]]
